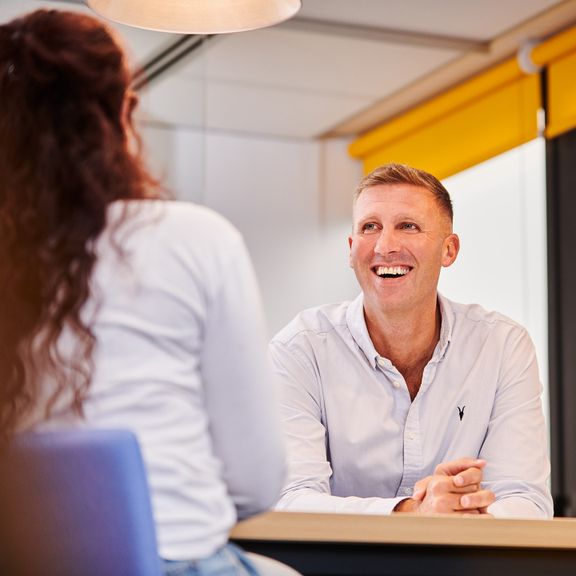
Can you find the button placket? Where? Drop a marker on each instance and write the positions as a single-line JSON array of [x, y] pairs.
[[391, 373], [381, 362], [412, 452]]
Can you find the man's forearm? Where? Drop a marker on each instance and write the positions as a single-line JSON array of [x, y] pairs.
[[309, 500]]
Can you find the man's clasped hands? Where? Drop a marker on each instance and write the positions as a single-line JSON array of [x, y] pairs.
[[454, 488]]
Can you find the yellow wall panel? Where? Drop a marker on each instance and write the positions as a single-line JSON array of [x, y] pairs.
[[481, 118], [439, 107], [561, 95], [498, 121]]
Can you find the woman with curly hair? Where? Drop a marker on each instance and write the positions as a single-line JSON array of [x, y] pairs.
[[119, 309]]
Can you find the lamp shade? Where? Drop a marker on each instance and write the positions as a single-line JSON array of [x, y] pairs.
[[196, 16]]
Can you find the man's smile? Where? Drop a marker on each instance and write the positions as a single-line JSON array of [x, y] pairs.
[[391, 271]]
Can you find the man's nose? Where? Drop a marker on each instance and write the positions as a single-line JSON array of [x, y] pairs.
[[387, 242]]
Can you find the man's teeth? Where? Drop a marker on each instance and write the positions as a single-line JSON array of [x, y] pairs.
[[392, 270]]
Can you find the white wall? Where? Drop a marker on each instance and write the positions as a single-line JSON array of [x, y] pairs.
[[290, 198]]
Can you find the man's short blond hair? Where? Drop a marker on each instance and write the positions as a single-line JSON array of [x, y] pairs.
[[403, 174]]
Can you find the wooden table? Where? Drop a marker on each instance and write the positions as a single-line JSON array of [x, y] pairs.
[[407, 545]]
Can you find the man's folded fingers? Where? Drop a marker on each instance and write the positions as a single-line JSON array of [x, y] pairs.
[[477, 500], [465, 489], [456, 466], [471, 475]]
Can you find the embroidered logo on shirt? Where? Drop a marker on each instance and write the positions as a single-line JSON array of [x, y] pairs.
[[461, 412]]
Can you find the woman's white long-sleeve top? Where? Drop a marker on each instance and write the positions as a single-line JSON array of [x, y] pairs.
[[180, 360]]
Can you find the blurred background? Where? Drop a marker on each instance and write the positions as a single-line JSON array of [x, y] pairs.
[[273, 128]]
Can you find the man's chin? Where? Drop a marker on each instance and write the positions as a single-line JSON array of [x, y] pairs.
[[390, 301]]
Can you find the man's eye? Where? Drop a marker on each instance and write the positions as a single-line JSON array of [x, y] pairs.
[[369, 227], [409, 226]]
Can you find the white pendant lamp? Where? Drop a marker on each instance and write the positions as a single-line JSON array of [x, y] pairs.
[[196, 16]]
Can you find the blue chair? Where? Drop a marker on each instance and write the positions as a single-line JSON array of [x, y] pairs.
[[75, 503]]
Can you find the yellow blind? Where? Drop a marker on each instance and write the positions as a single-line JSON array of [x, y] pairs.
[[481, 118], [492, 113], [559, 54]]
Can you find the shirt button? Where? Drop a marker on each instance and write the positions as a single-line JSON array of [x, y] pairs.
[[396, 384], [411, 436], [381, 361]]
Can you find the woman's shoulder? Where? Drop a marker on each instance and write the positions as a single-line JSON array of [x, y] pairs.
[[176, 219]]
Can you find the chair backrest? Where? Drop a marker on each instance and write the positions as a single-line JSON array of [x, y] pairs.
[[76, 503]]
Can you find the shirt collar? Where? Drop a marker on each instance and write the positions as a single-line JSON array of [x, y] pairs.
[[357, 326], [446, 326]]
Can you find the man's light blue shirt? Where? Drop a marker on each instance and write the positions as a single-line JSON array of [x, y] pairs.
[[356, 441]]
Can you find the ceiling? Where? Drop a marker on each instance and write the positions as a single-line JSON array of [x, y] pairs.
[[339, 68]]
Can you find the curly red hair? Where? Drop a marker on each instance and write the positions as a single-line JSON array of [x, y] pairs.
[[65, 155]]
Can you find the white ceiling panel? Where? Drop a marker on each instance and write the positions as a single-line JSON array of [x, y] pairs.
[[245, 108], [273, 111], [176, 100], [474, 19], [289, 83], [321, 64]]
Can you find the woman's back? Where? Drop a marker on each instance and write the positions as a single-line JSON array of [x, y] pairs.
[[179, 360]]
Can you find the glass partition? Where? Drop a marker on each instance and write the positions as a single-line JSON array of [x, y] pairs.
[[500, 216]]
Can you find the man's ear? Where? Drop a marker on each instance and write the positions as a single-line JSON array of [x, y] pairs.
[[451, 249]]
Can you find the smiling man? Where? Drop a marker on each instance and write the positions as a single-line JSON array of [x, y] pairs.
[[401, 400]]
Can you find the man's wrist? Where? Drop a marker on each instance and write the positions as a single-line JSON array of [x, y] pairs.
[[407, 505]]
